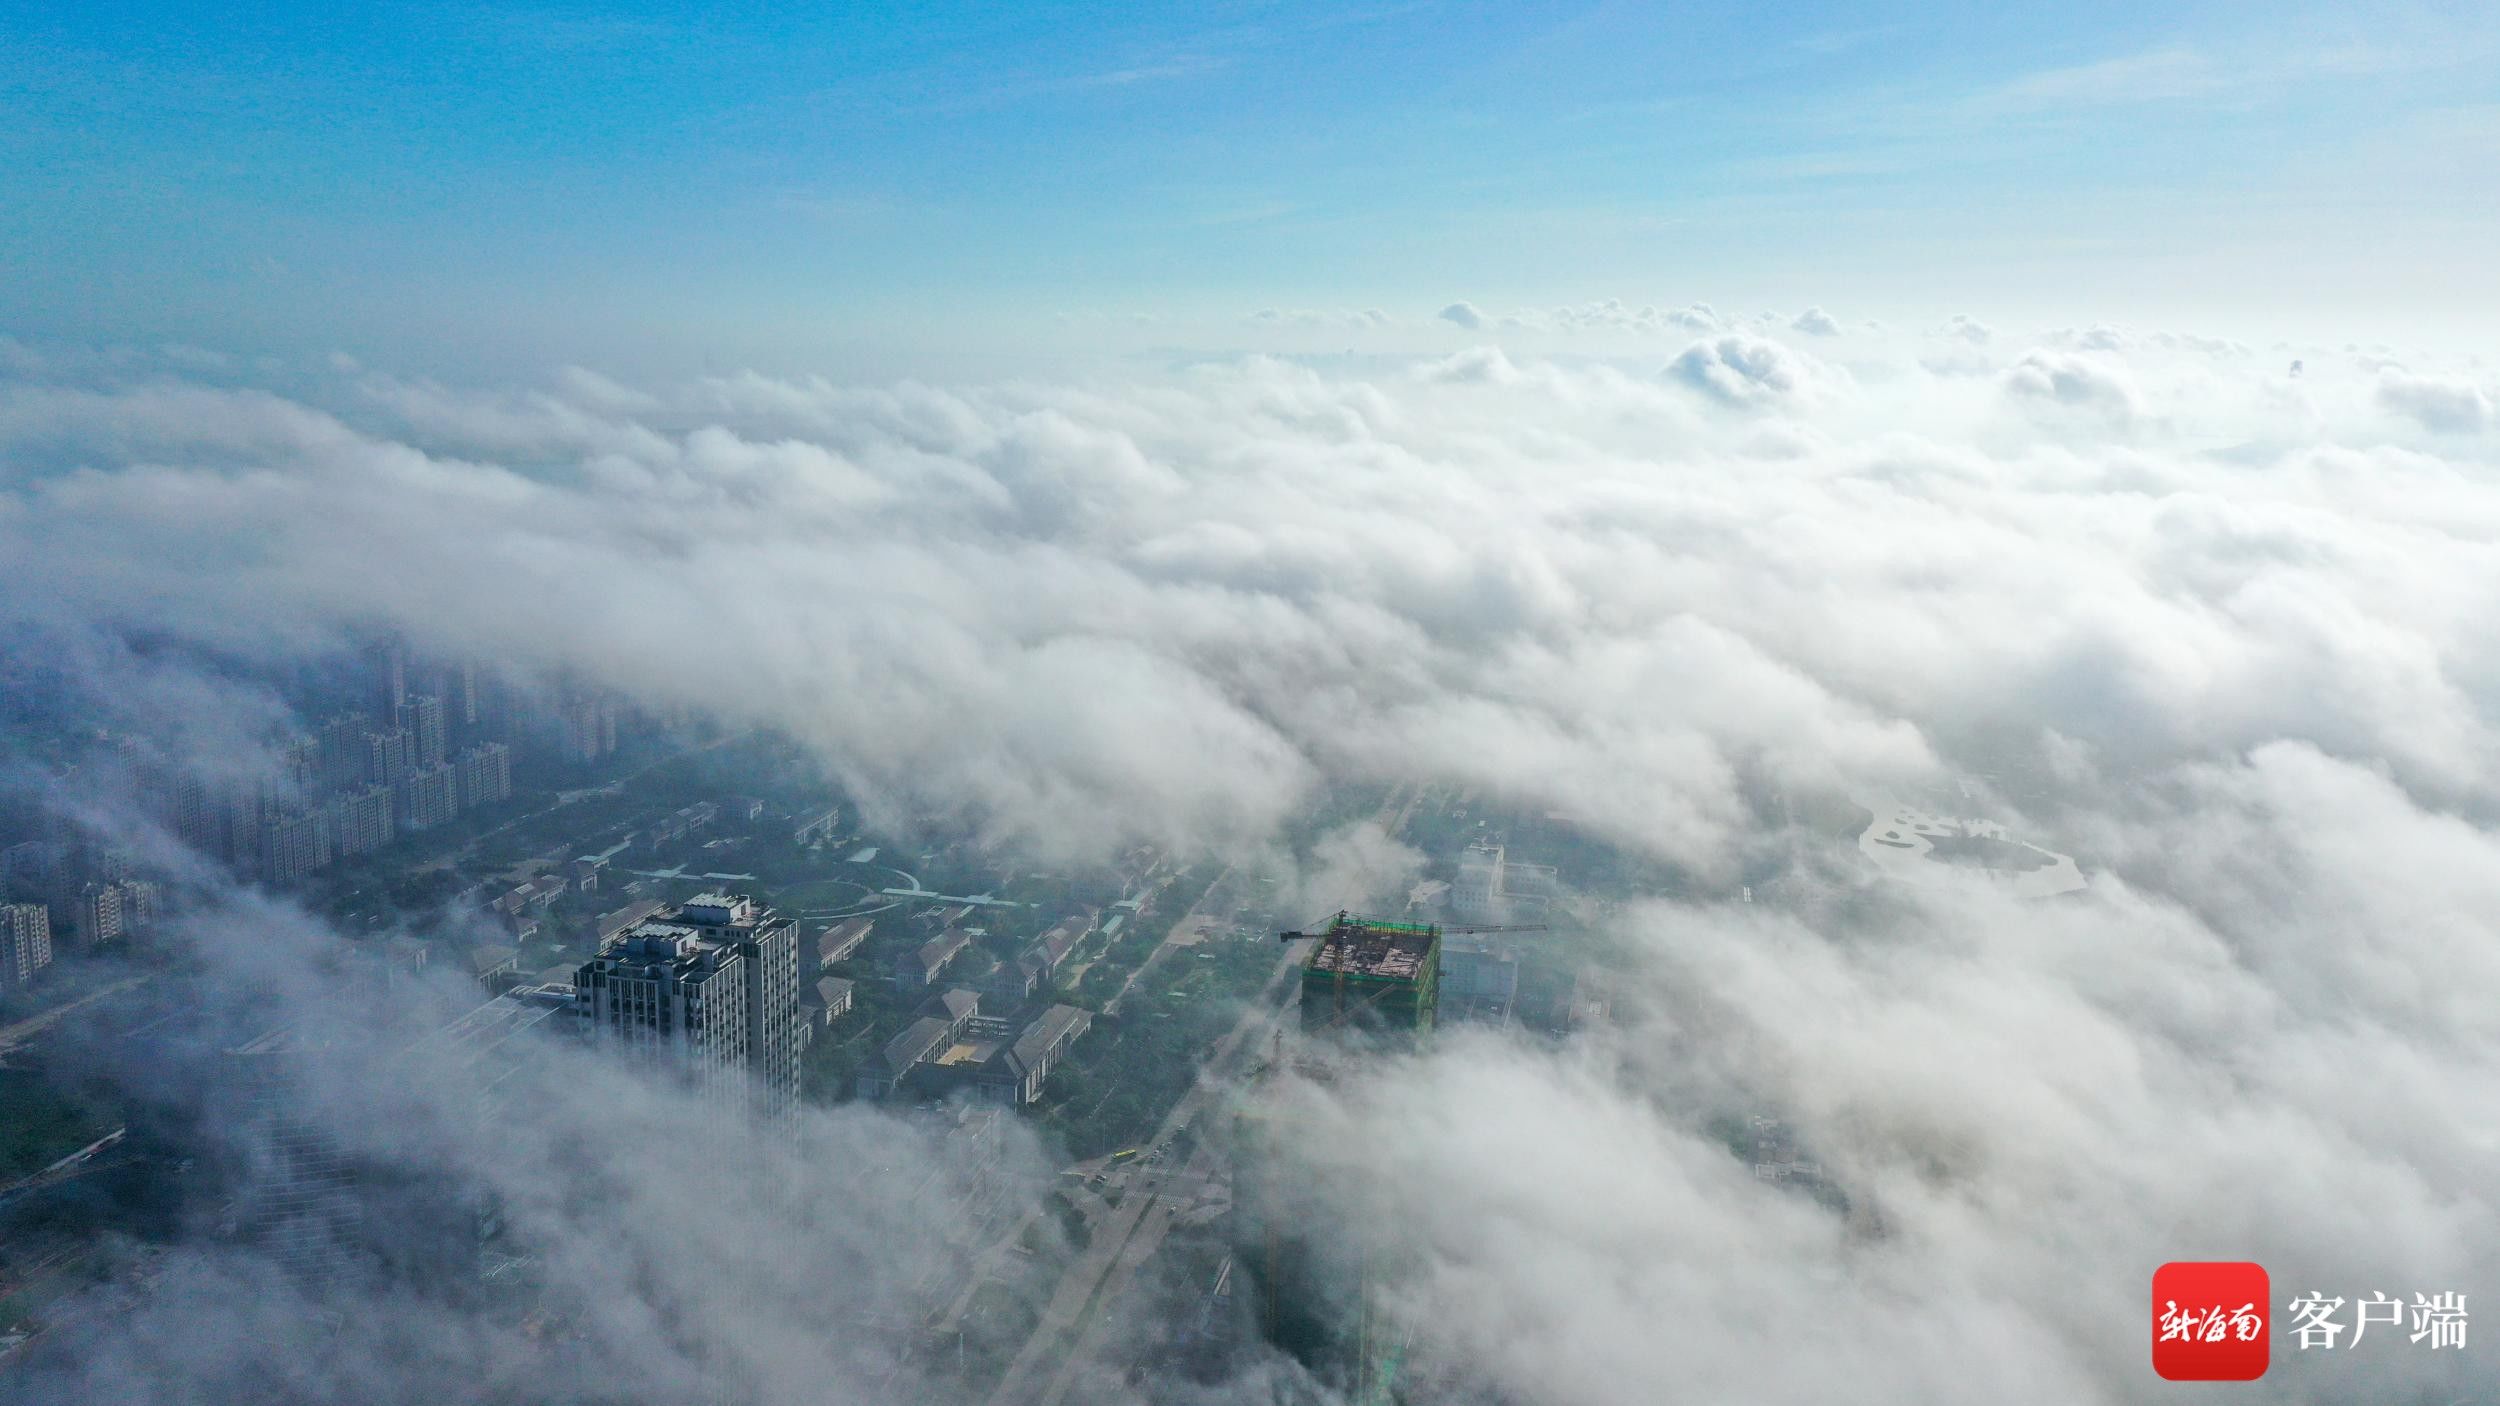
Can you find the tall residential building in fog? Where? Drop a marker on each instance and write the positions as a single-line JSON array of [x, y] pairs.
[[140, 900], [460, 696], [96, 914], [195, 815], [429, 797], [589, 727], [485, 775], [360, 822], [297, 1197], [389, 661], [292, 844], [389, 756], [776, 1029], [342, 744], [428, 730], [711, 983], [25, 942], [662, 992]]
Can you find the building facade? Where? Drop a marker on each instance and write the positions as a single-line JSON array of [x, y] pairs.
[[777, 1030], [428, 732], [361, 821], [389, 756], [96, 914], [663, 993], [25, 942], [713, 983], [292, 845], [485, 775], [429, 797]]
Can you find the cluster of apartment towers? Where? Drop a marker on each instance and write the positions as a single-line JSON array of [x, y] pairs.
[[426, 744]]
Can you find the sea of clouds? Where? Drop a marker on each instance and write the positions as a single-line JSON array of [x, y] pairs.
[[2237, 624]]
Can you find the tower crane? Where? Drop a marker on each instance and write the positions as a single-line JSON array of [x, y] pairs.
[[1345, 918]]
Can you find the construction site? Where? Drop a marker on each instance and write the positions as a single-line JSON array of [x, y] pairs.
[[1370, 990], [1371, 978]]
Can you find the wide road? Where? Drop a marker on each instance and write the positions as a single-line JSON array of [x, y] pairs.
[[11, 1037], [1091, 1281], [1073, 1319]]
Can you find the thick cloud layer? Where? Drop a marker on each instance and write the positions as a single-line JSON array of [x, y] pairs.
[[2234, 629]]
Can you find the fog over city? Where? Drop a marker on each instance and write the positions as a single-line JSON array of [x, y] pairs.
[[2230, 612]]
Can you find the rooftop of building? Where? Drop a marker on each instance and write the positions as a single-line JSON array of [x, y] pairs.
[[737, 910], [1368, 947], [487, 959], [917, 1042], [944, 946], [652, 944], [1063, 937], [842, 939], [1048, 1029]]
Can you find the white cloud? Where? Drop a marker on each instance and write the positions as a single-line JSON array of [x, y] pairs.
[[2225, 637], [2080, 383], [2446, 405], [1816, 322], [1968, 330], [1740, 369], [1466, 315]]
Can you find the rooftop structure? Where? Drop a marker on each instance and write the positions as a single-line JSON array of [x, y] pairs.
[[950, 1049], [1369, 975], [956, 1005], [815, 826], [922, 965], [922, 1038], [1366, 948], [1492, 887], [837, 943], [832, 999]]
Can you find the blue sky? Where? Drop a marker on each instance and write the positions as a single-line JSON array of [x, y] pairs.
[[476, 180]]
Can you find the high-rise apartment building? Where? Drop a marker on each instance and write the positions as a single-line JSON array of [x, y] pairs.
[[714, 983], [663, 992], [96, 914], [25, 942], [389, 756], [389, 659], [140, 899], [296, 1197], [485, 775], [292, 845], [427, 729], [589, 727], [1369, 990], [361, 821], [299, 764], [343, 750], [194, 815], [429, 797], [460, 697], [776, 1026]]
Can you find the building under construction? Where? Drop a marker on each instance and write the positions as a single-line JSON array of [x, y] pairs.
[[1370, 990], [1369, 978]]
